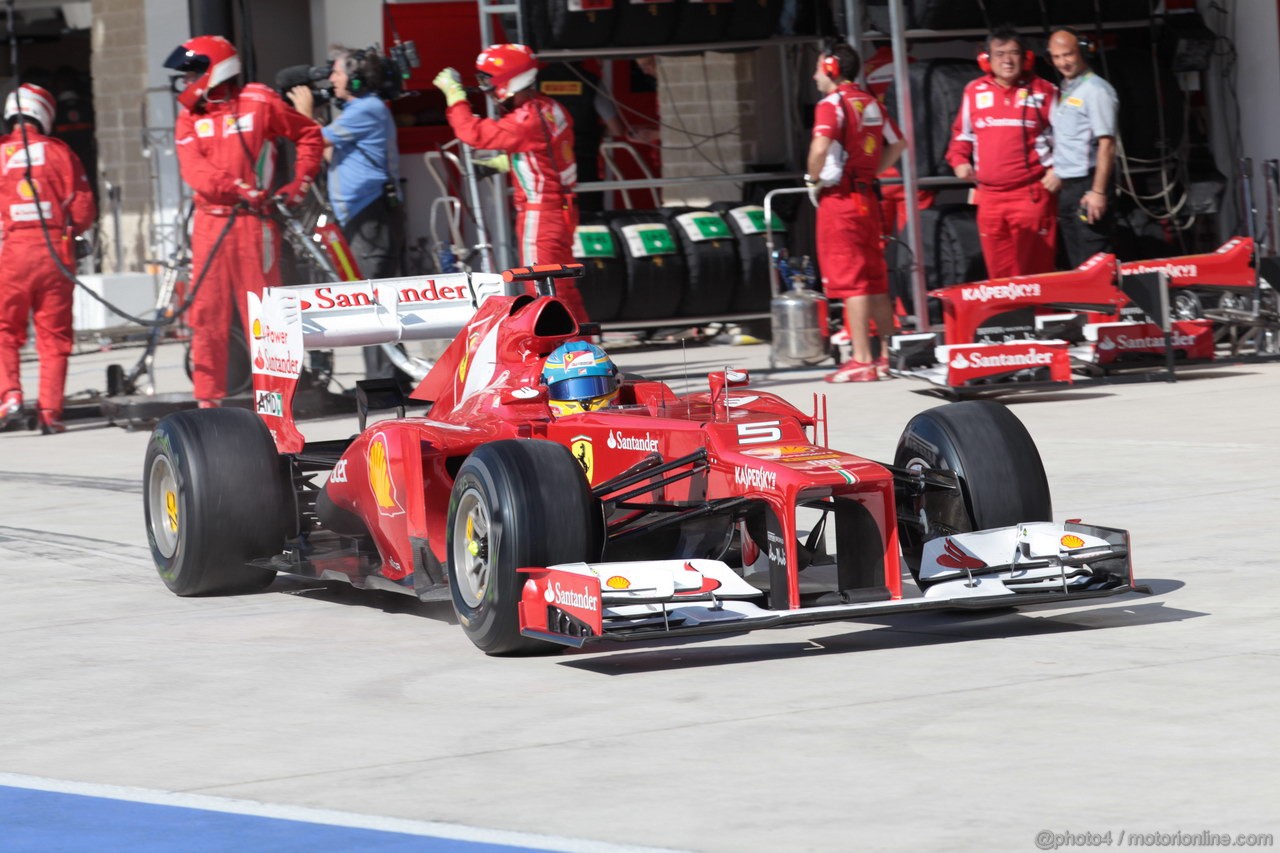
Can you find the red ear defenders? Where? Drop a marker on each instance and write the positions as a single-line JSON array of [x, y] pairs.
[[831, 66], [1028, 61]]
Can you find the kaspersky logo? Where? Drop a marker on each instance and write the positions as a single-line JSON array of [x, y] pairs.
[[1011, 292], [380, 482], [978, 361]]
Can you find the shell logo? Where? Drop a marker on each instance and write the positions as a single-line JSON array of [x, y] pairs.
[[1071, 541], [618, 582], [384, 490], [257, 328], [28, 190]]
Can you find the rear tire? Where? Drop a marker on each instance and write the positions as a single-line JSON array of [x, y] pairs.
[[515, 503], [1002, 479], [215, 496]]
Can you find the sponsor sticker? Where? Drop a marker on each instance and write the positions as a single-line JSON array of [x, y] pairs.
[[16, 154], [985, 100], [1010, 292], [233, 124], [583, 452], [755, 478], [564, 596], [561, 88], [339, 474], [380, 481], [619, 440], [979, 361], [269, 403], [204, 128], [750, 220], [1071, 541], [702, 226]]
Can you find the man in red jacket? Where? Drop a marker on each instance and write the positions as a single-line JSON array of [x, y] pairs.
[[226, 137], [1001, 140], [537, 133], [47, 201], [853, 141]]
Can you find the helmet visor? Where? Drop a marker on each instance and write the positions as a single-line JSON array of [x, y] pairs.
[[184, 60], [485, 81], [582, 387]]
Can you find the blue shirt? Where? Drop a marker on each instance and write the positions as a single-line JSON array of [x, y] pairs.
[[1084, 112], [365, 155]]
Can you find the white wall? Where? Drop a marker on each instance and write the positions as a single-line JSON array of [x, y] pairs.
[[1253, 27]]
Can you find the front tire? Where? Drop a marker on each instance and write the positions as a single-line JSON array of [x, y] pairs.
[[1002, 479], [216, 495], [515, 503]]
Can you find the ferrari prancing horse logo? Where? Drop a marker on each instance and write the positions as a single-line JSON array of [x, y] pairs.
[[582, 452]]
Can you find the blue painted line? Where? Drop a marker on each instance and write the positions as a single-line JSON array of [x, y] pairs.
[[39, 815], [34, 821]]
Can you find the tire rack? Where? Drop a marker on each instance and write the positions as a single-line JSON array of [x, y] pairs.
[[502, 231]]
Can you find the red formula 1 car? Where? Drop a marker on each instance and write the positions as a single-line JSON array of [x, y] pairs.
[[659, 515]]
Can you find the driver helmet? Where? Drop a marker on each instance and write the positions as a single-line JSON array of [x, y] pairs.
[[504, 69], [212, 58], [32, 102], [580, 377]]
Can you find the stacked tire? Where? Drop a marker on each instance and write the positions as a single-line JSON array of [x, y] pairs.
[[654, 264], [746, 222], [952, 253], [558, 25], [937, 88], [711, 260], [604, 280]]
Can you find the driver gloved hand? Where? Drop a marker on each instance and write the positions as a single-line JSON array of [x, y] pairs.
[[815, 189], [449, 81], [500, 163]]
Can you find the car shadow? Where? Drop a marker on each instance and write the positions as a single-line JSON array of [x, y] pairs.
[[339, 592], [893, 632]]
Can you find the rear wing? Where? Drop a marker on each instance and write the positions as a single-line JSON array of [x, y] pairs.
[[287, 321]]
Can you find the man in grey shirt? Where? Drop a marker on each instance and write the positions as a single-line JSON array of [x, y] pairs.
[[1084, 149]]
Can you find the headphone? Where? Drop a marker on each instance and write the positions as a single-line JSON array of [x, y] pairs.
[[357, 62], [1028, 61], [831, 66], [1086, 45]]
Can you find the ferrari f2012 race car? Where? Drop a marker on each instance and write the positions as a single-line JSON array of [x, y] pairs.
[[657, 515]]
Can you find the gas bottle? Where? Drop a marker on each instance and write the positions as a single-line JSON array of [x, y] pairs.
[[800, 318]]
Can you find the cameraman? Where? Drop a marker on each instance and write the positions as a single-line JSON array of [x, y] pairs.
[[364, 172]]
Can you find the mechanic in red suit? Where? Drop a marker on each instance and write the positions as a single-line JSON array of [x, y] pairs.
[[38, 170], [537, 133], [225, 137], [1001, 139], [853, 141]]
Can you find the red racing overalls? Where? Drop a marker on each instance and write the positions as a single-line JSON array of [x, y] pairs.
[[32, 285], [538, 136], [1004, 133], [850, 249], [229, 141]]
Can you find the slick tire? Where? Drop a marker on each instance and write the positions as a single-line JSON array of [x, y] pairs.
[[216, 495], [1001, 476], [515, 503]]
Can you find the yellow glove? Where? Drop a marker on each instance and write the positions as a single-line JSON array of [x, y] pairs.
[[500, 163], [449, 81]]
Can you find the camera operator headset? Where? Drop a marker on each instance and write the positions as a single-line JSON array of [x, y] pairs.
[[536, 131], [224, 138], [364, 161]]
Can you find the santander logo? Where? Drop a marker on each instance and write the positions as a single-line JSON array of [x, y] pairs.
[[959, 362], [954, 558]]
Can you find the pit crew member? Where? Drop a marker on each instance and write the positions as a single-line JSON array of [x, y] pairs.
[[225, 136], [537, 134], [853, 141], [1002, 140], [1084, 149], [36, 169]]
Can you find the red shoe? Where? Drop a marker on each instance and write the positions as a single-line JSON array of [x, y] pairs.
[[210, 404], [882, 367], [854, 371], [51, 423], [11, 413]]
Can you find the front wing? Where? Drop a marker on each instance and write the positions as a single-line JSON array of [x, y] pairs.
[[575, 604]]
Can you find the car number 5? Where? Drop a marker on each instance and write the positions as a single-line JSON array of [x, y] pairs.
[[759, 433]]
